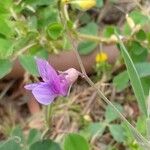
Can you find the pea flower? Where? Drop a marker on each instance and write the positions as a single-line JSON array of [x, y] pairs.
[[54, 83]]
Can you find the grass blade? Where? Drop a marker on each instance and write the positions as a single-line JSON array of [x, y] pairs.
[[134, 78]]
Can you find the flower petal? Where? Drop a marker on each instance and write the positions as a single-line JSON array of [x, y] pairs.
[[64, 89], [46, 71], [31, 86], [71, 75], [44, 94], [63, 85]]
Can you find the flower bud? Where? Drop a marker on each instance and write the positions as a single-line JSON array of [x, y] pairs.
[[71, 75], [84, 4]]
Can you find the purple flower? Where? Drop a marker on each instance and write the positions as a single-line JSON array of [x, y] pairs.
[[54, 84]]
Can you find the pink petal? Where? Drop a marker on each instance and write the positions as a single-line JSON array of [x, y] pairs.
[[71, 75], [44, 94], [46, 71]]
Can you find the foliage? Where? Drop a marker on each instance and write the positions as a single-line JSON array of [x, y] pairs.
[[97, 129], [38, 28], [72, 142]]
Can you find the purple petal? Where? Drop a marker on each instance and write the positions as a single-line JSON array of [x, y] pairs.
[[64, 89], [44, 94], [31, 86], [46, 71], [63, 86]]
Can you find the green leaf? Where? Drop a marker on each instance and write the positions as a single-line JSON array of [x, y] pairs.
[[10, 144], [127, 30], [108, 31], [45, 145], [39, 2], [6, 28], [6, 48], [17, 132], [111, 114], [137, 52], [96, 128], [117, 132], [143, 69], [137, 48], [5, 67], [141, 35], [141, 125], [46, 16], [85, 18], [34, 136], [28, 63], [90, 29], [55, 30], [146, 85], [86, 47], [99, 3], [121, 81], [6, 3], [75, 142], [134, 78], [139, 18], [5, 7]]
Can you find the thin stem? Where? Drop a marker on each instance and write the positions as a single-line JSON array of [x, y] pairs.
[[148, 118], [22, 50], [90, 37], [48, 115], [96, 38], [77, 54], [44, 134]]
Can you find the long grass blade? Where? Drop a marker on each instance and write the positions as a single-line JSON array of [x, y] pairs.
[[134, 78]]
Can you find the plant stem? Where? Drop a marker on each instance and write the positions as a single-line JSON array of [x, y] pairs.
[[19, 52], [148, 117], [48, 115], [96, 38]]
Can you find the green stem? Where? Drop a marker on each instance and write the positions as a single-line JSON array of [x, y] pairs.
[[48, 115], [44, 134], [90, 38], [148, 118], [21, 51], [148, 128]]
